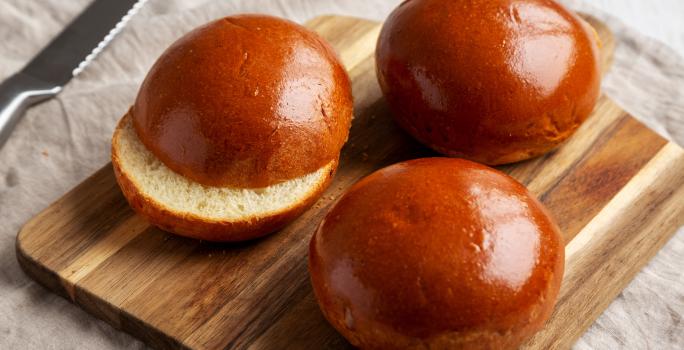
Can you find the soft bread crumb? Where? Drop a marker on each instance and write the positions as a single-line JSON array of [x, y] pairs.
[[183, 196]]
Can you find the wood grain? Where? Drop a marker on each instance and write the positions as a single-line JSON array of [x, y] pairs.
[[615, 189]]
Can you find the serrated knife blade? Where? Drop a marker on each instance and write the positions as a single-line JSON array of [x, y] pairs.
[[63, 58]]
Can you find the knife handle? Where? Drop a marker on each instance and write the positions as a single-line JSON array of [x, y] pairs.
[[17, 93]]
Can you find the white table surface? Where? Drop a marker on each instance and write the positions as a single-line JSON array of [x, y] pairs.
[[40, 162]]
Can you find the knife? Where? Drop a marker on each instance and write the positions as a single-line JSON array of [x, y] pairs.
[[64, 58]]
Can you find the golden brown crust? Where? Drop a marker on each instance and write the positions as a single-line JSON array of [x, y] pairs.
[[194, 226], [245, 101], [498, 81], [437, 253]]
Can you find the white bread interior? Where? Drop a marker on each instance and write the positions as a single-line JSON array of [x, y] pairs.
[[182, 196]]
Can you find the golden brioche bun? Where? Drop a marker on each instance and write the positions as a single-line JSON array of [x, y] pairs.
[[236, 129], [495, 81], [437, 253]]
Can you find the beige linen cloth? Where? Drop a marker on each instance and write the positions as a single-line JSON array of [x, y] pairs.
[[60, 142]]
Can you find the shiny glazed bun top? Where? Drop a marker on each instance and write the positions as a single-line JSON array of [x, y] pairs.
[[495, 81], [437, 253], [245, 101]]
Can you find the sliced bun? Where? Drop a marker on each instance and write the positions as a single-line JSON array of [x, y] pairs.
[[180, 205], [437, 253], [495, 81], [245, 101]]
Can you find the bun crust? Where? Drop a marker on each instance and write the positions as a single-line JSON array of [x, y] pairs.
[[497, 82], [437, 253], [165, 198], [245, 101]]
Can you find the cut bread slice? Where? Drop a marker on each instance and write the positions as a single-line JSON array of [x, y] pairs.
[[179, 205]]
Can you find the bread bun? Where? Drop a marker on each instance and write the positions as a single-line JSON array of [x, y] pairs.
[[496, 81], [437, 253], [245, 101], [235, 131], [180, 205]]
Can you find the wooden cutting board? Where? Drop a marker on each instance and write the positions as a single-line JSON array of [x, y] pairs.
[[615, 188]]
